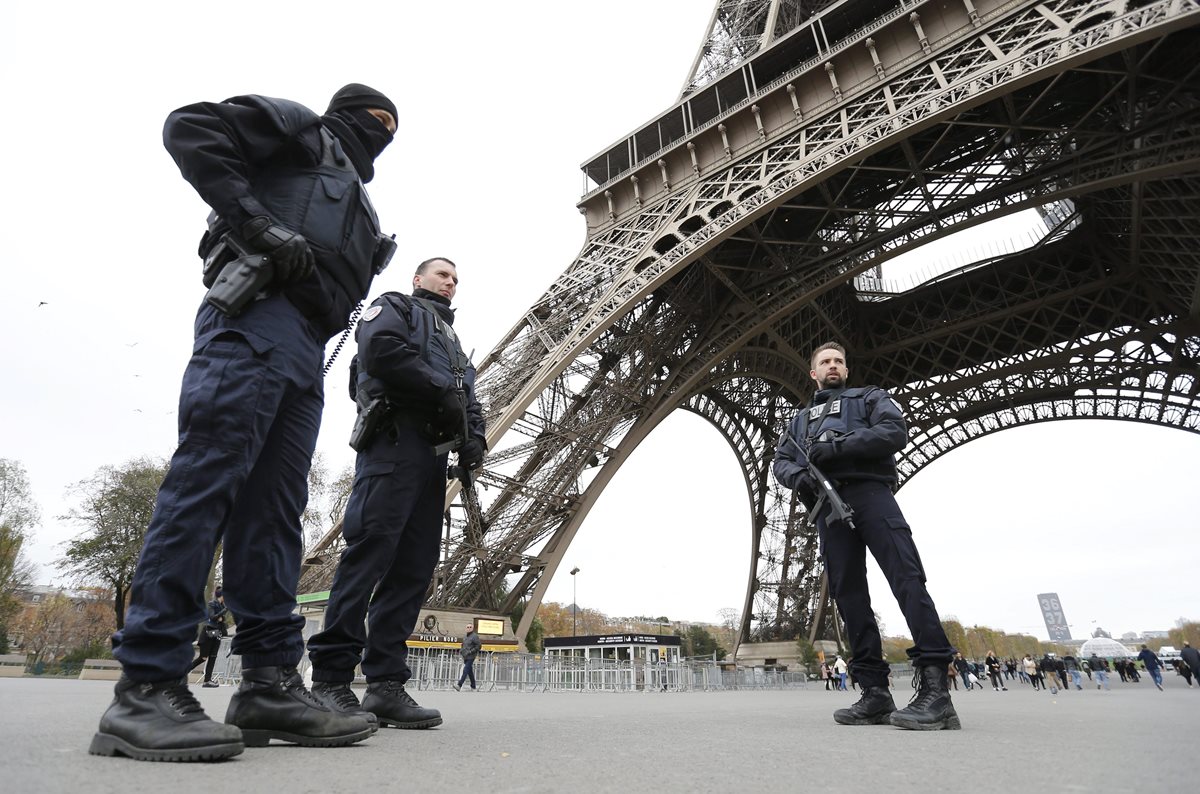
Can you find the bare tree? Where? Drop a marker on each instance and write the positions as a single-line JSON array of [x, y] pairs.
[[327, 499], [61, 623], [44, 631], [730, 623], [115, 508]]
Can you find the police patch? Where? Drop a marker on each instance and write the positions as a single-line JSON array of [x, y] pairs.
[[371, 313]]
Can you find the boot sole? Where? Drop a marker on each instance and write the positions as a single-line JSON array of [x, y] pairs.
[[108, 745], [879, 719], [420, 724], [261, 738], [948, 724]]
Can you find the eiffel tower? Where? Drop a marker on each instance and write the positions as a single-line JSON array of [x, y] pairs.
[[812, 143]]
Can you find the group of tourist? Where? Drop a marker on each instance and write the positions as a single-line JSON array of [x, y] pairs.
[[1050, 671]]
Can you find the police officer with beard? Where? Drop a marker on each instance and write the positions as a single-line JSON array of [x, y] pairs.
[[286, 187], [415, 390], [852, 436]]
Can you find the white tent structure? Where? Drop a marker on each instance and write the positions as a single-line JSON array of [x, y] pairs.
[[1105, 648]]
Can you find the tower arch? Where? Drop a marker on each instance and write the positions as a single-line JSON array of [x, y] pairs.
[[762, 224]]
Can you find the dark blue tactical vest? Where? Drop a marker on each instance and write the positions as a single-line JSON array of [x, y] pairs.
[[848, 412], [329, 206], [440, 349]]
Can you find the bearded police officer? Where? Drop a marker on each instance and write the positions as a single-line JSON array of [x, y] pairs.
[[415, 390], [851, 436], [292, 246]]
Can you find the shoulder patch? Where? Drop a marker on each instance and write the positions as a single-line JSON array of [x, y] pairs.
[[371, 313]]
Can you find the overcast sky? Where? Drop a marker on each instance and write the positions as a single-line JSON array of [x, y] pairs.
[[499, 104]]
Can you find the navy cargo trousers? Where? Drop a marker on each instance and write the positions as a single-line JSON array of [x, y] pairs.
[[249, 412], [392, 529], [880, 527]]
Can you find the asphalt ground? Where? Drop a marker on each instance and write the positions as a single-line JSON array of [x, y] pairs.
[[1133, 737]]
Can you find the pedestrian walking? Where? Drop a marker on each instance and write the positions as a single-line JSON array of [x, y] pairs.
[[1191, 657], [1153, 666], [471, 645], [208, 643], [994, 667], [1099, 671]]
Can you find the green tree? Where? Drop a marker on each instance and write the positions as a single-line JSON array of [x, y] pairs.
[[19, 514], [697, 642], [115, 506], [533, 637], [808, 654]]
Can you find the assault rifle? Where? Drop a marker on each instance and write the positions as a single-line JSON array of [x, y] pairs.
[[838, 510]]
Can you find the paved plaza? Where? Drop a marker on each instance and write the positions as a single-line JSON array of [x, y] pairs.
[[1133, 737]]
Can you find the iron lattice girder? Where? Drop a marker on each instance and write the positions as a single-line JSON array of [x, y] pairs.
[[1070, 162], [740, 28], [634, 328]]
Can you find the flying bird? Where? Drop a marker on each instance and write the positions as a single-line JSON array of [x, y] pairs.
[[43, 303]]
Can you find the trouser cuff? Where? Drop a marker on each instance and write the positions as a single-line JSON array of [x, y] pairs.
[[325, 675], [251, 661]]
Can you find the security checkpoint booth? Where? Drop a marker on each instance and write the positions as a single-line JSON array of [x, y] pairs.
[[433, 646], [614, 662]]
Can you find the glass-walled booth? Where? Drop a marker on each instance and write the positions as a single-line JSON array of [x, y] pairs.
[[613, 661]]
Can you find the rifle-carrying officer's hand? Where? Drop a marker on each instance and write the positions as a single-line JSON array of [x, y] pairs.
[[806, 491], [822, 452], [470, 457], [289, 254], [451, 415]]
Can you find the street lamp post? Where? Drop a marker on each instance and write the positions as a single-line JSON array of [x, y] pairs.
[[574, 601]]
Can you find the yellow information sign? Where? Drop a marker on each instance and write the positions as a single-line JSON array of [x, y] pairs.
[[493, 627]]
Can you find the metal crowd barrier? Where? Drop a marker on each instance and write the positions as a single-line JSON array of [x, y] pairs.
[[228, 669], [439, 668]]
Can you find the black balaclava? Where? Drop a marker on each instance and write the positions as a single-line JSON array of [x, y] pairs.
[[362, 135]]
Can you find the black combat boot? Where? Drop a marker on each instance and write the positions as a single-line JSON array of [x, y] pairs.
[[873, 708], [341, 698], [272, 703], [930, 709], [162, 721], [394, 706]]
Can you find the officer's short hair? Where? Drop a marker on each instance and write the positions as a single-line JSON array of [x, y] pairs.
[[421, 268], [831, 345]]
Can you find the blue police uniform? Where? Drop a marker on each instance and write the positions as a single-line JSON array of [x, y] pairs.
[[252, 395], [408, 355], [869, 430]]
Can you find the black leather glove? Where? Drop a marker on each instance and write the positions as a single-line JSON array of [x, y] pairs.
[[821, 453], [451, 415], [470, 457], [290, 256], [806, 491]]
